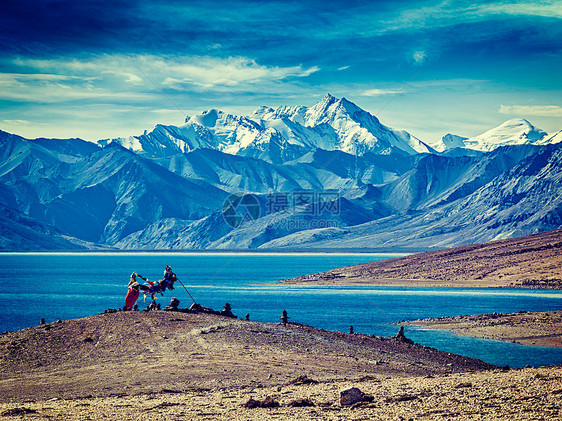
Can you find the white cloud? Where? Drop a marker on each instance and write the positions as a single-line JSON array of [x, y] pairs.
[[198, 73], [377, 92], [16, 122], [74, 95], [129, 77], [49, 88], [446, 12], [531, 110], [544, 8]]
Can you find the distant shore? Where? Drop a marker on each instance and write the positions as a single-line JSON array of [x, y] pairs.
[[394, 252], [543, 328], [533, 261]]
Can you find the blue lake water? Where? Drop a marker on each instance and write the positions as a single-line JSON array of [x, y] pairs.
[[75, 285]]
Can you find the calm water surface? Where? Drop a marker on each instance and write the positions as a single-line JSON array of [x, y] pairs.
[[75, 285]]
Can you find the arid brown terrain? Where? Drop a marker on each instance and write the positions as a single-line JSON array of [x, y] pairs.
[[140, 352], [542, 328], [168, 365], [533, 261]]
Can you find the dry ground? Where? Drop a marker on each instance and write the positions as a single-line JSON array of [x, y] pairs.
[[144, 352], [177, 366], [533, 261], [526, 394], [543, 328]]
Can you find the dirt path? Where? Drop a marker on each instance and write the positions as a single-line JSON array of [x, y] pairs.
[[533, 261]]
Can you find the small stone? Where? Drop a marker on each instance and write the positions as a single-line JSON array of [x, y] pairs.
[[300, 403]]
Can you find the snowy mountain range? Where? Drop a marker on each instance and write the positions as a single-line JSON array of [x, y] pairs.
[[326, 176]]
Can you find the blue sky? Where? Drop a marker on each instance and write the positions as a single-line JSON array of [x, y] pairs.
[[94, 69]]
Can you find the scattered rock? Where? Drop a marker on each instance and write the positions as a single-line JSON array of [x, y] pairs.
[[268, 402], [300, 403], [461, 385], [302, 380], [154, 306], [284, 318], [368, 398], [350, 396], [18, 411], [227, 311]]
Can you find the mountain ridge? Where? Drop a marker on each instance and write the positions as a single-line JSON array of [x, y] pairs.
[[368, 188]]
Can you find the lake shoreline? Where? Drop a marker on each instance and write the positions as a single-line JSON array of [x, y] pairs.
[[542, 328], [532, 261]]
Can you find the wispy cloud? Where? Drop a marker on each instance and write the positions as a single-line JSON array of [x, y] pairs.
[[16, 122], [449, 12], [210, 73], [543, 8], [52, 88], [378, 92], [532, 110], [178, 73]]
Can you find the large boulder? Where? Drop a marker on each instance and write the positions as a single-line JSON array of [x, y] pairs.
[[350, 396]]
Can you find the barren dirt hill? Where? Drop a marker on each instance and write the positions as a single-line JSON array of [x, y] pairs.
[[167, 365], [533, 261], [140, 352]]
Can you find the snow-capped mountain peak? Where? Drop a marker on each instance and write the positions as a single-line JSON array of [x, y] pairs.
[[517, 131], [207, 118], [450, 141], [551, 139], [331, 124]]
